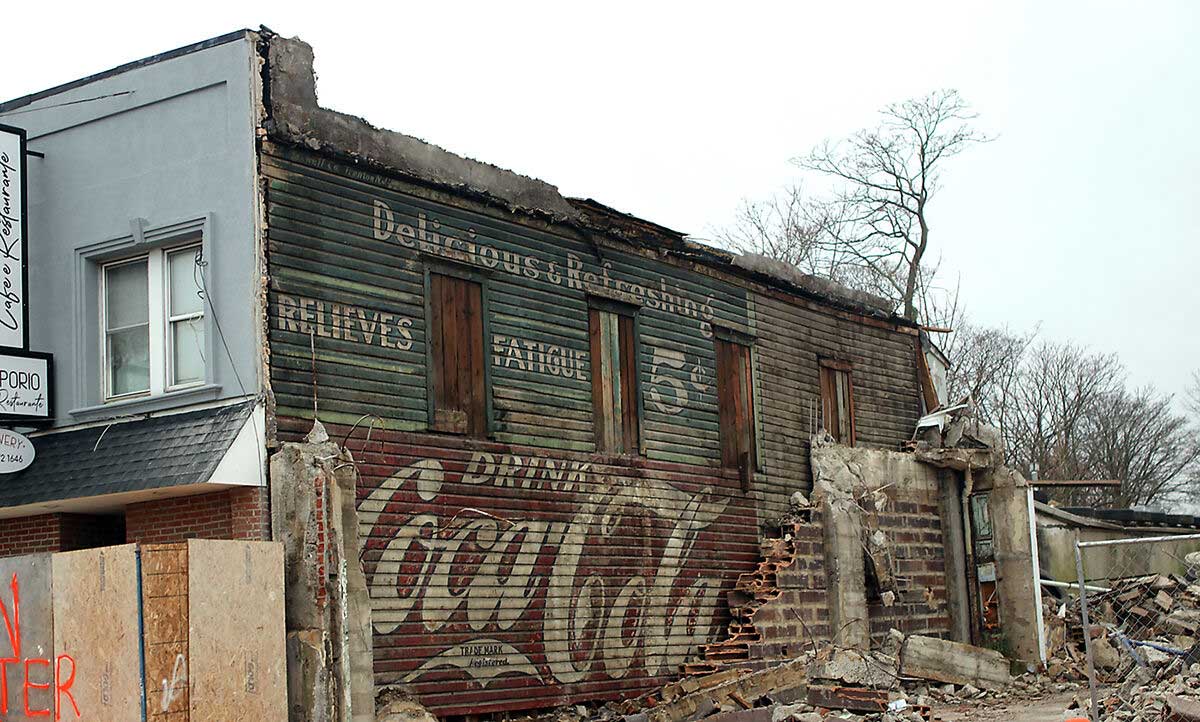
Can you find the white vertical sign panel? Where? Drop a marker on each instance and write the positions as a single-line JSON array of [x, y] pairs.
[[25, 385], [13, 302]]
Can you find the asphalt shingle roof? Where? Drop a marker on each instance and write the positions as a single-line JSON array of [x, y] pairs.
[[153, 453]]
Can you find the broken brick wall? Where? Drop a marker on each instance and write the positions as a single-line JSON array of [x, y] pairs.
[[786, 606], [913, 528]]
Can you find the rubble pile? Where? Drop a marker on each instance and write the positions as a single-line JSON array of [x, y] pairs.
[[901, 681], [1066, 659], [1144, 637], [1156, 612], [1154, 691]]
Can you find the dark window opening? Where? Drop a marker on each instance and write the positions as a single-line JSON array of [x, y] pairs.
[[458, 390], [837, 401], [871, 587], [735, 401], [615, 381]]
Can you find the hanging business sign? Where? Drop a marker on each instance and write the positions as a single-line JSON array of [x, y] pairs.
[[25, 378], [16, 452], [14, 306]]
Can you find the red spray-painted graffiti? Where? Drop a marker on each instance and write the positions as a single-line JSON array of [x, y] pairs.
[[62, 681]]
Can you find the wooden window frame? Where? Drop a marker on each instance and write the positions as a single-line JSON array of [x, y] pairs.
[[632, 357], [828, 385], [444, 267], [743, 340]]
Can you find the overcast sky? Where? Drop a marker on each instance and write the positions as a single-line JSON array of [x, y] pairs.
[[1078, 217]]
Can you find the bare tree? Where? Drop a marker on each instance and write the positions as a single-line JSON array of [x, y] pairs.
[[1066, 413], [885, 178], [1137, 437], [1058, 387], [778, 228], [986, 365]]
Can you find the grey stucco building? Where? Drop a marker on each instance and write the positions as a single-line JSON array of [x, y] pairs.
[[144, 283]]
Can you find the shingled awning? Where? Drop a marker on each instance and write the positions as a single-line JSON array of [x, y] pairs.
[[166, 451]]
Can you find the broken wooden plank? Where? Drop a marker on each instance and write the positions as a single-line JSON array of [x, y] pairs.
[[855, 699]]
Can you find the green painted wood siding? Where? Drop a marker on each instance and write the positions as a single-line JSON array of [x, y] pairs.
[[347, 252]]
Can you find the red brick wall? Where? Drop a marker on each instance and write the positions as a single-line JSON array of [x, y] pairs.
[[58, 533], [478, 552], [30, 535], [249, 513], [233, 514], [914, 532], [800, 614]]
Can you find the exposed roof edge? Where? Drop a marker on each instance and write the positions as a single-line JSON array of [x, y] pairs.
[[21, 102], [817, 286], [296, 118], [1170, 523], [1072, 519]]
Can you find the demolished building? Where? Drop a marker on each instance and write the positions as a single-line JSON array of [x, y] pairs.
[[527, 450]]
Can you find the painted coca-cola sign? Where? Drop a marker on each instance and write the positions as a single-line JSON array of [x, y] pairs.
[[491, 571]]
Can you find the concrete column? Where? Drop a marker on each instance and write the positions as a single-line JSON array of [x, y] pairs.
[[328, 615], [357, 673], [1019, 612], [954, 544], [846, 581]]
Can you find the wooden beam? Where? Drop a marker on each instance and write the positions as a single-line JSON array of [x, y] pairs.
[[1076, 482]]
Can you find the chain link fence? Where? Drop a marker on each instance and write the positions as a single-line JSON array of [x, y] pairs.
[[1140, 614]]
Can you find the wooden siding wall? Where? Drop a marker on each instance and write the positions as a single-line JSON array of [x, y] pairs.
[[792, 337], [526, 570]]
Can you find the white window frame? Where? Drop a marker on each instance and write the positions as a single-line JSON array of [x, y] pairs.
[[161, 344], [168, 335]]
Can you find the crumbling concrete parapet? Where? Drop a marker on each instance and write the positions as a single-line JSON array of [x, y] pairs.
[[836, 471], [295, 117]]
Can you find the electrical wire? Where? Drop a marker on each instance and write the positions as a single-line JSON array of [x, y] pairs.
[[202, 290]]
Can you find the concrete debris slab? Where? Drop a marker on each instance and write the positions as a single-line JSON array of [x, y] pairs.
[[944, 661], [849, 666], [1179, 709]]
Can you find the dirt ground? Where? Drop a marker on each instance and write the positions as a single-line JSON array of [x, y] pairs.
[[1047, 709]]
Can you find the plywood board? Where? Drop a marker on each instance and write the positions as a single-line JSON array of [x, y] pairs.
[[236, 637], [165, 630], [96, 633], [26, 633]]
